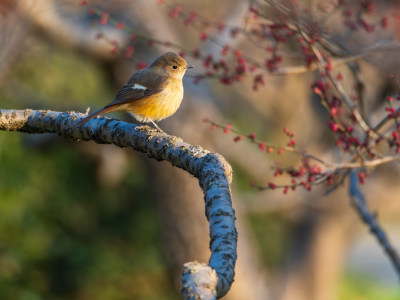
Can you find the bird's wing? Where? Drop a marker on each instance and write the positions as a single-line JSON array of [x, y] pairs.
[[139, 86]]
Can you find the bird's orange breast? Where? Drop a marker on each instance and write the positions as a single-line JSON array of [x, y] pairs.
[[158, 106]]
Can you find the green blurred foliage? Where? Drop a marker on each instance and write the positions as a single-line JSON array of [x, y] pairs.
[[355, 286], [48, 78], [274, 234], [63, 235]]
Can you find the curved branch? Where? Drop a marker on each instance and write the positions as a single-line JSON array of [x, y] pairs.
[[211, 169], [359, 202]]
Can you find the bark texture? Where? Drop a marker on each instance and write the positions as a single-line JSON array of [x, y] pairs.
[[211, 169]]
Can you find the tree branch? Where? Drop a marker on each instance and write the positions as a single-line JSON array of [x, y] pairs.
[[359, 202], [212, 170]]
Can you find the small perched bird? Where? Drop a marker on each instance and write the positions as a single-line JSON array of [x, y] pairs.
[[151, 94]]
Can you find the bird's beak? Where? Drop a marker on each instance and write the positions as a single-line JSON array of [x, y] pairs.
[[189, 67]]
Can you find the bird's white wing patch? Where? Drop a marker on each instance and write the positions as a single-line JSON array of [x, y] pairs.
[[137, 86]]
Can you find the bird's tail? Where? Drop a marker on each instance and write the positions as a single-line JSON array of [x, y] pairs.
[[95, 114]]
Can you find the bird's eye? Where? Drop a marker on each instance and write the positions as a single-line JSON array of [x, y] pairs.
[[175, 67]]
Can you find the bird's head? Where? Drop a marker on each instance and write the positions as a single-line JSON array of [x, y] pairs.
[[171, 64]]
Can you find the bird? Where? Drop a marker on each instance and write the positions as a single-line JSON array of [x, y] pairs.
[[151, 94]]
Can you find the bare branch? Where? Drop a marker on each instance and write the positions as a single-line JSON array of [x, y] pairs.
[[364, 163], [212, 170], [359, 202]]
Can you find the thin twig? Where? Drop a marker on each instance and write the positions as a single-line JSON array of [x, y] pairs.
[[385, 120], [330, 165]]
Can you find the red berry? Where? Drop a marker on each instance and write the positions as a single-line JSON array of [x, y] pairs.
[[238, 138], [272, 185], [251, 136]]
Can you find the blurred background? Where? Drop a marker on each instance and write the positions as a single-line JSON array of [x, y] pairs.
[[87, 221]]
